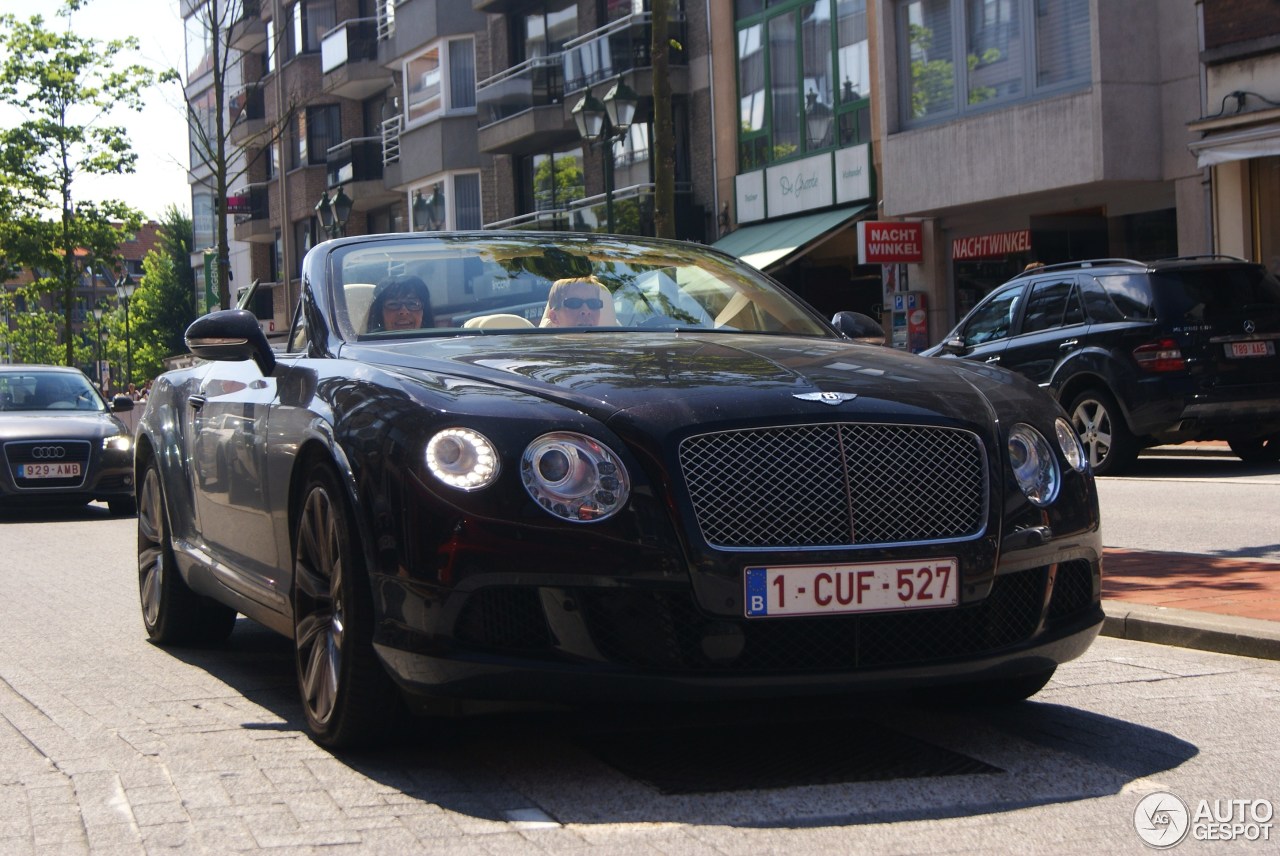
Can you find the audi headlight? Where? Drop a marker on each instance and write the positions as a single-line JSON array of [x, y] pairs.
[[1034, 464], [462, 458], [118, 443], [574, 477], [1069, 440]]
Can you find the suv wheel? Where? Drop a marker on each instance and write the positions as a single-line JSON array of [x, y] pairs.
[[1263, 450], [1108, 442]]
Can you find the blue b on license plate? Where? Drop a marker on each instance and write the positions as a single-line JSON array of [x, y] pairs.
[[862, 587]]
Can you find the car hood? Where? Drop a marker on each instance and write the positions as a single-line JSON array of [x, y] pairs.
[[21, 425], [691, 378]]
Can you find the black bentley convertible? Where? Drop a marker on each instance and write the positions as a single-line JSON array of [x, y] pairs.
[[568, 467]]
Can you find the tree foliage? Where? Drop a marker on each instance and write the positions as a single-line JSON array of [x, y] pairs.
[[65, 84]]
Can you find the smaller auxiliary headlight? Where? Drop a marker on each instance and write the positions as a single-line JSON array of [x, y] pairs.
[[574, 477], [462, 458], [1069, 441], [1034, 464]]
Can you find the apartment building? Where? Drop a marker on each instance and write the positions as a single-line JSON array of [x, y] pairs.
[[362, 116]]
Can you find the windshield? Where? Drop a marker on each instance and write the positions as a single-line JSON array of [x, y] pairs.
[[48, 390], [447, 285]]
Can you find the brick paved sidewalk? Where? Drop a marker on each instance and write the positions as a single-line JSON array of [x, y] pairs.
[[1244, 588]]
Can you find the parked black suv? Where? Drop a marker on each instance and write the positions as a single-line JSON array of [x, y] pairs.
[[1141, 353]]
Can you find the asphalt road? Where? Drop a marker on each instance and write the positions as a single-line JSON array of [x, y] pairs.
[[111, 745], [1213, 506]]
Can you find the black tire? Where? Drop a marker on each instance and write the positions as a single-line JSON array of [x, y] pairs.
[[1108, 443], [347, 696], [1263, 450], [172, 613]]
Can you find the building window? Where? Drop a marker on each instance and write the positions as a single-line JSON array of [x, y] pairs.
[[199, 44], [315, 131], [543, 33], [441, 79], [309, 20], [1012, 50], [803, 83], [551, 181], [466, 193]]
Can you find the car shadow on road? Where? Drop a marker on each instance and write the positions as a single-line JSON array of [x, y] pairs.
[[53, 513], [796, 762]]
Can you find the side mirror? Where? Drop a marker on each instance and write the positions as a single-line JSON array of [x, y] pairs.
[[229, 335], [859, 327], [953, 345], [121, 403]]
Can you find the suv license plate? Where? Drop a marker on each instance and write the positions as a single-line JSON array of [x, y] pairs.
[[1251, 349], [863, 587], [48, 471]]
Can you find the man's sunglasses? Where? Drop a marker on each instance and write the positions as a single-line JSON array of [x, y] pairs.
[[397, 305], [579, 302]]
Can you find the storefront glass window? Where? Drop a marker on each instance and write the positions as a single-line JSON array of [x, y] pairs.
[[783, 86]]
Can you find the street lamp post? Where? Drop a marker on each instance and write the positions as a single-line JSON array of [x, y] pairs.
[[97, 316], [124, 290], [333, 213], [606, 123]]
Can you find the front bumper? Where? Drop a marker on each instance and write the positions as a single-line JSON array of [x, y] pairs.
[[577, 642]]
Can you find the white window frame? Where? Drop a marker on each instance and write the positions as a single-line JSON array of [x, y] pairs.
[[441, 48]]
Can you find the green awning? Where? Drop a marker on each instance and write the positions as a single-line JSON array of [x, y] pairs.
[[767, 244]]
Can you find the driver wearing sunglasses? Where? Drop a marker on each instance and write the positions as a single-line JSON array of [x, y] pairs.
[[578, 303]]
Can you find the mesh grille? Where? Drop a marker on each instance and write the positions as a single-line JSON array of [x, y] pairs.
[[72, 451], [503, 618], [835, 484], [1072, 589]]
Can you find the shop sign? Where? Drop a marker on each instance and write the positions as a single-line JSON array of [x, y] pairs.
[[853, 174], [881, 243], [749, 190], [799, 186], [997, 245], [239, 203]]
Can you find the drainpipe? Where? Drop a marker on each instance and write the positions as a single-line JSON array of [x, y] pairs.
[[1210, 214], [715, 157]]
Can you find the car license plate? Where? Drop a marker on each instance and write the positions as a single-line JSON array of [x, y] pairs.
[[48, 471], [1251, 349], [863, 587]]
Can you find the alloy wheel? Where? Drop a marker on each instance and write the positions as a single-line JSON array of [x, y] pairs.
[[318, 574]]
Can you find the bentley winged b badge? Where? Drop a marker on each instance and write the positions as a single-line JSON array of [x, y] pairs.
[[832, 398]]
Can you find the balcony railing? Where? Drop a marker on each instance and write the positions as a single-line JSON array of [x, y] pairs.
[[632, 214], [351, 41], [619, 47], [536, 82], [391, 129], [357, 159], [259, 204]]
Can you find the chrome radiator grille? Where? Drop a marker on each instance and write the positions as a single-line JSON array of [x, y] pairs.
[[835, 484]]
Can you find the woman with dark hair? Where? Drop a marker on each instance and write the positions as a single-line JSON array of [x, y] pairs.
[[400, 303]]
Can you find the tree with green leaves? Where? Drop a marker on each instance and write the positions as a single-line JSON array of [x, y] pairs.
[[65, 84], [178, 289]]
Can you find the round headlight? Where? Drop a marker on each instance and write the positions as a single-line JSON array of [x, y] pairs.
[[574, 477], [1069, 441], [462, 458], [1034, 464]]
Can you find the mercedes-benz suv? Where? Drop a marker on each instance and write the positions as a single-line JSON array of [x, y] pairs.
[[1141, 353]]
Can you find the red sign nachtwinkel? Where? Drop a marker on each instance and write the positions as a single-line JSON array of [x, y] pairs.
[[881, 243]]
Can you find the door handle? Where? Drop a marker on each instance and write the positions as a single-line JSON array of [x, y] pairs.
[[993, 360], [196, 401], [1067, 345]]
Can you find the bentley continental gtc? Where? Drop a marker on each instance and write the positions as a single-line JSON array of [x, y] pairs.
[[528, 466]]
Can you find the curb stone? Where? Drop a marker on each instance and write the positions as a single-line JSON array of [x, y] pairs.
[[1224, 634]]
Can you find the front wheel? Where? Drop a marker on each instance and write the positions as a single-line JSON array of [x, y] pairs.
[[172, 613], [347, 695], [1263, 450], [1108, 442]]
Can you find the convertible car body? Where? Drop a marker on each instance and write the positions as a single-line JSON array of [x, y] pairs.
[[709, 491]]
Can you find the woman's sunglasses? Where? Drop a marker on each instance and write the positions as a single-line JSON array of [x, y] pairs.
[[579, 302], [397, 305]]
